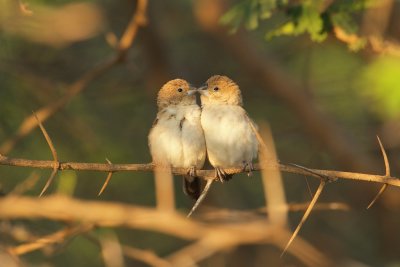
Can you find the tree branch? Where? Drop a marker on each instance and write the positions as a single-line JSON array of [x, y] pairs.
[[207, 174]]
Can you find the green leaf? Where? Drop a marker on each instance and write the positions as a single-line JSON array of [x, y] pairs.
[[287, 28], [251, 15], [311, 22]]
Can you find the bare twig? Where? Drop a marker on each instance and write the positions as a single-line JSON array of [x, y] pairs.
[[202, 196], [387, 174], [57, 237], [29, 123]]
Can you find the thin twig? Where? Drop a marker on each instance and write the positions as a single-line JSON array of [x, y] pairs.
[[54, 238], [202, 196], [387, 174]]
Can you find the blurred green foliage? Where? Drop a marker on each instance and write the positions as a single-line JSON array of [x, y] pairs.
[[379, 82], [297, 17]]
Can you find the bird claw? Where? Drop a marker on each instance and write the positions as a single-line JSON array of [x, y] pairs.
[[221, 175], [192, 171], [248, 167]]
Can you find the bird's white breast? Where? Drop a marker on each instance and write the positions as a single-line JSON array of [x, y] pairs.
[[177, 138], [229, 137]]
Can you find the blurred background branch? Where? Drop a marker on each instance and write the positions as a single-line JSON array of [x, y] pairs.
[[138, 20]]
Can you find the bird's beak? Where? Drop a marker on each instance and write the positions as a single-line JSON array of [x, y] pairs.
[[203, 87], [203, 90], [192, 90]]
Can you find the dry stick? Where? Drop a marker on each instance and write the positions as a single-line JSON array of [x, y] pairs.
[[106, 181], [272, 179], [53, 152], [50, 239], [30, 123], [306, 214], [201, 198], [387, 174]]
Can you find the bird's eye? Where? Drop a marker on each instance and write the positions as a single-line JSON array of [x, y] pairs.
[[180, 90], [216, 88]]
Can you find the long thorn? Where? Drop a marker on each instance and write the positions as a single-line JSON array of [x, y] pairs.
[[202, 196], [47, 137], [53, 152], [387, 173], [306, 214], [49, 181], [383, 188], [107, 180], [385, 158]]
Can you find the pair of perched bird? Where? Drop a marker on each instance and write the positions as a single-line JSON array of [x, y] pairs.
[[183, 133]]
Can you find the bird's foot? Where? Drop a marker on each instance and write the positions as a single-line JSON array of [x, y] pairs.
[[221, 175], [192, 171], [248, 167]]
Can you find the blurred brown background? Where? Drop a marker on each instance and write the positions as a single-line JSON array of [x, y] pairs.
[[324, 103]]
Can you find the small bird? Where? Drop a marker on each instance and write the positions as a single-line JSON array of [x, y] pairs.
[[176, 138], [230, 139]]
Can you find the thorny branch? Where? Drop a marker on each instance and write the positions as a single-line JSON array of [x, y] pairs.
[[207, 174]]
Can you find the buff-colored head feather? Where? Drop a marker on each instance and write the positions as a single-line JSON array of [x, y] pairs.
[[220, 90], [175, 92]]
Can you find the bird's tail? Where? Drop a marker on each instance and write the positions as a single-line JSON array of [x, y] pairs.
[[192, 186]]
